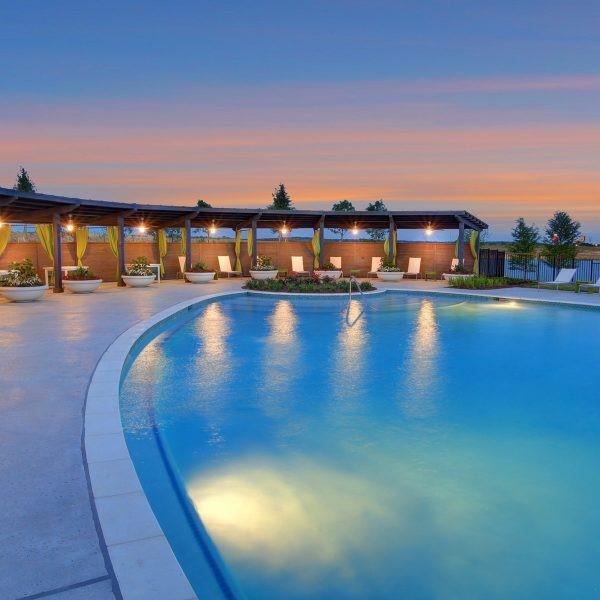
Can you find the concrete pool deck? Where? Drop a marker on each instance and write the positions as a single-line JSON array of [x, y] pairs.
[[52, 546]]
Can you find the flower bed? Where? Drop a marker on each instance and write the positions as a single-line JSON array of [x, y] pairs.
[[478, 282], [306, 285]]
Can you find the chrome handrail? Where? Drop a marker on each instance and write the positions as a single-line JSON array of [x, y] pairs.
[[348, 322]]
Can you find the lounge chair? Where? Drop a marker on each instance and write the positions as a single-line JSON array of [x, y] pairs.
[[414, 268], [564, 276], [298, 265], [225, 266], [589, 286], [181, 266], [375, 264], [336, 261], [453, 264]]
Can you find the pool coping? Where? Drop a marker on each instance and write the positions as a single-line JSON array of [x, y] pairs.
[[142, 559]]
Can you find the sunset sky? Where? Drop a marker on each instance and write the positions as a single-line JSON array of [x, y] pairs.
[[491, 107]]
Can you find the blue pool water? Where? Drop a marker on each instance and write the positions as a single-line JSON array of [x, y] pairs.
[[439, 448]]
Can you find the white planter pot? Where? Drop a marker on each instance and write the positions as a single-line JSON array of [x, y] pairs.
[[330, 274], [264, 274], [23, 294], [448, 276], [199, 277], [84, 286], [390, 275], [138, 280]]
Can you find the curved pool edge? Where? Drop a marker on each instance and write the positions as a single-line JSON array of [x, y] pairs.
[[140, 554], [143, 561]]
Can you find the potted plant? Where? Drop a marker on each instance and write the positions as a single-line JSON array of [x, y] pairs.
[[139, 273], [388, 271], [328, 270], [81, 281], [22, 283], [199, 273], [263, 269], [456, 272]]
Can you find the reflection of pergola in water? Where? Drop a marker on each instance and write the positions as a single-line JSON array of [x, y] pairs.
[[26, 207]]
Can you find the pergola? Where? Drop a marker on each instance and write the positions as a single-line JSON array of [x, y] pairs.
[[27, 207]]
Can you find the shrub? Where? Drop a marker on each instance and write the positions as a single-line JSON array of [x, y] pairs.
[[80, 274], [388, 265], [307, 285], [140, 267], [21, 274], [328, 266], [263, 263], [479, 282], [199, 267]]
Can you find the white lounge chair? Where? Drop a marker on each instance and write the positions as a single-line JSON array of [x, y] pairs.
[[298, 265], [225, 266], [453, 264], [589, 286], [336, 261], [564, 276], [181, 265], [414, 268], [375, 264]]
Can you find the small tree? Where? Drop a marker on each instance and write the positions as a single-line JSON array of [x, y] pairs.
[[24, 183], [377, 234], [281, 199], [525, 240], [560, 241], [342, 206]]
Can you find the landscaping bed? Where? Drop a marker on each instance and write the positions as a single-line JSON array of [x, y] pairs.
[[307, 285]]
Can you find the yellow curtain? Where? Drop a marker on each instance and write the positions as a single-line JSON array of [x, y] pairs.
[[249, 242], [386, 245], [45, 234], [4, 237], [473, 244], [162, 249], [238, 249], [316, 248], [113, 239], [183, 241], [81, 242]]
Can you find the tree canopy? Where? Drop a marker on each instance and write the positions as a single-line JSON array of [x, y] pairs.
[[561, 236], [24, 182], [281, 199], [377, 206], [525, 240], [203, 204], [342, 206]]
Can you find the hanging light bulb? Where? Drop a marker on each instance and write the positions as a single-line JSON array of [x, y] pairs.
[[284, 230], [429, 230], [212, 229], [355, 229], [142, 228], [70, 227]]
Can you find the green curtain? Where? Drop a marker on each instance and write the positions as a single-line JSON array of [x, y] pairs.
[[45, 234], [316, 248], [473, 242], [4, 237], [386, 245], [249, 242], [162, 249], [238, 249], [81, 242], [183, 241], [113, 239]]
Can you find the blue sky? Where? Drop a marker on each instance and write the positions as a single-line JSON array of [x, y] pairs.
[[488, 106]]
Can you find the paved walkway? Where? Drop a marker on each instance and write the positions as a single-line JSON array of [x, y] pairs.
[[49, 543]]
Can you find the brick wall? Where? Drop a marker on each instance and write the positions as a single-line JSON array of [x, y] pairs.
[[355, 255]]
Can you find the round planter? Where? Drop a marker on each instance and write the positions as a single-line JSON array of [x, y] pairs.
[[330, 274], [264, 274], [23, 294], [138, 280], [199, 277], [82, 286], [390, 275]]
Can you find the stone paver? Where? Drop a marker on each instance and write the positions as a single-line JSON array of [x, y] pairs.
[[48, 534]]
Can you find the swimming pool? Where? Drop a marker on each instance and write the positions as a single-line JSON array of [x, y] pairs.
[[439, 447]]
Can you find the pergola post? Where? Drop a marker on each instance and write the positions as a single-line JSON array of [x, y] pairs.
[[188, 244], [391, 229], [254, 242], [120, 250], [461, 244], [58, 286], [321, 240]]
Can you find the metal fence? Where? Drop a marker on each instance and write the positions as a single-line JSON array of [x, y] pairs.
[[497, 263]]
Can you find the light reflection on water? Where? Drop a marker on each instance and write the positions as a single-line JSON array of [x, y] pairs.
[[370, 461]]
